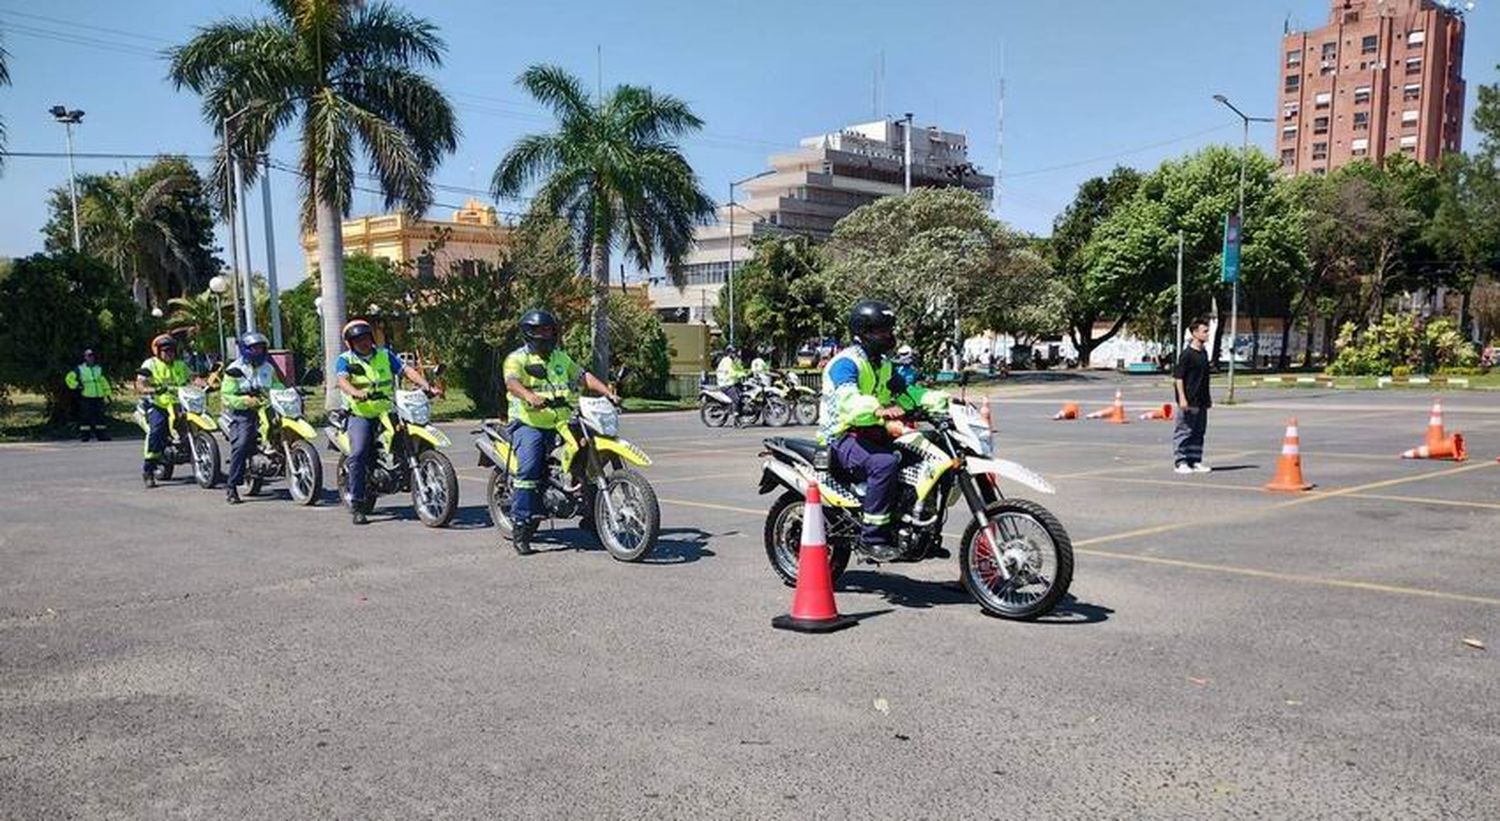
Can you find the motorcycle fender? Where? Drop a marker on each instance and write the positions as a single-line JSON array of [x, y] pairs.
[[203, 422], [431, 435], [624, 449], [1007, 469], [299, 427], [783, 475], [495, 453], [338, 440], [717, 396]]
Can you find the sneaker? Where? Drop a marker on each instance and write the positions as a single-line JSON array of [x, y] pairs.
[[1199, 467], [1183, 467]]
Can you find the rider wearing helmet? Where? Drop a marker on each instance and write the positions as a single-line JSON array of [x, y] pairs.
[[906, 365], [367, 377], [157, 381], [241, 403], [861, 391], [730, 373], [536, 372]]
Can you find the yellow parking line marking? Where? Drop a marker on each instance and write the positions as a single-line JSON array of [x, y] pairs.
[[1295, 578], [1426, 500], [712, 506], [704, 477]]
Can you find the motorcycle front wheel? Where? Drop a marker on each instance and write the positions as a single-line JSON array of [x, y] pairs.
[[778, 413], [207, 470], [806, 410], [713, 414], [627, 516], [784, 540], [434, 490], [1025, 575], [304, 472]]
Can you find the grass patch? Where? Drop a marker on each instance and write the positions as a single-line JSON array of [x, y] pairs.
[[635, 405]]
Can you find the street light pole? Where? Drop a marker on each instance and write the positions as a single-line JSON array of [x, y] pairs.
[[906, 164], [1234, 292], [234, 242], [730, 277], [217, 285], [69, 119]]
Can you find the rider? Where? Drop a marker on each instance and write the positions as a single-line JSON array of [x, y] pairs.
[[760, 371], [533, 424], [159, 389], [730, 374], [258, 375], [367, 376], [861, 392], [906, 365]]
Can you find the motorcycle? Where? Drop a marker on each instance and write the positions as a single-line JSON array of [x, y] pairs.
[[760, 403], [407, 458], [590, 474], [804, 401], [285, 445], [190, 435], [1015, 557]]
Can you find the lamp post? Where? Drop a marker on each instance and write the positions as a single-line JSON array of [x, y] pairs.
[[70, 118], [218, 286], [231, 202], [1234, 298], [730, 277]]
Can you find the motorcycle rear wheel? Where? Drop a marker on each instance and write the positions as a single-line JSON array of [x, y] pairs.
[[783, 540], [778, 412], [806, 410], [1033, 540], [498, 497], [341, 481], [713, 414]]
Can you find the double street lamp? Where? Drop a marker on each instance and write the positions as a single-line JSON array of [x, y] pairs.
[[1234, 299], [70, 118], [218, 285]]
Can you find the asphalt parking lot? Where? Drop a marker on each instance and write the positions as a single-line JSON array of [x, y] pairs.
[[1225, 652]]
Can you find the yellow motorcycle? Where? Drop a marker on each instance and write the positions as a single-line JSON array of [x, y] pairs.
[[407, 458], [285, 444], [190, 435]]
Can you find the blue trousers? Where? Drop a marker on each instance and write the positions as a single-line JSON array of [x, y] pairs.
[[362, 433], [874, 461], [244, 432], [156, 437], [531, 446]]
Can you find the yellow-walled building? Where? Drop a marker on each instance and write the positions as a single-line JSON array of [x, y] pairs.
[[474, 233]]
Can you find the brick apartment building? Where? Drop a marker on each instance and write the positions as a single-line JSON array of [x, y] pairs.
[[1383, 77]]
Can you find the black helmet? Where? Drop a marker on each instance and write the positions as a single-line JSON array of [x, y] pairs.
[[539, 328], [252, 339], [873, 326], [357, 328]]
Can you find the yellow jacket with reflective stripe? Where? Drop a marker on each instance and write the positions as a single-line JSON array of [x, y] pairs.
[[91, 379], [561, 380], [377, 375], [166, 379]]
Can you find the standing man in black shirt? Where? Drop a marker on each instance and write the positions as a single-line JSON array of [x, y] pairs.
[[1193, 401]]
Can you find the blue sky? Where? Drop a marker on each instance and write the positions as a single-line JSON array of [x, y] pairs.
[[1090, 83]]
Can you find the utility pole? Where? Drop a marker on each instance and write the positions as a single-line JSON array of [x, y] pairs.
[[234, 242], [239, 186], [729, 278], [906, 166], [265, 192], [1234, 298], [69, 119], [1177, 345]]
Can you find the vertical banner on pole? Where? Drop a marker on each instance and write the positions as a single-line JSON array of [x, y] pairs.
[[1231, 271]]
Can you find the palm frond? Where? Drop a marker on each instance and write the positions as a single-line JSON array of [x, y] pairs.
[[409, 102], [555, 88], [533, 157], [383, 35]]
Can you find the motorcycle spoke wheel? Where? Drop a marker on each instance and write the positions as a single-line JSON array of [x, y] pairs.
[[627, 516], [434, 489], [783, 540], [1024, 568], [304, 472]]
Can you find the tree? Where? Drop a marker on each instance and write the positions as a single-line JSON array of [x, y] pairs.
[[202, 315], [153, 225], [614, 172], [1089, 294], [643, 351], [367, 281], [351, 73], [781, 297], [85, 306], [1487, 120], [4, 81]]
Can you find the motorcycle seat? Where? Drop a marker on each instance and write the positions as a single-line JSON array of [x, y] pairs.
[[497, 430], [338, 418], [807, 450]]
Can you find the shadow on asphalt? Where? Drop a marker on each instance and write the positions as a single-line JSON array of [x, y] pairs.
[[1233, 468], [902, 591], [676, 545], [1072, 611]]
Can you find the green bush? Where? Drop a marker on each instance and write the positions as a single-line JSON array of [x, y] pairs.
[[639, 344], [1402, 344]]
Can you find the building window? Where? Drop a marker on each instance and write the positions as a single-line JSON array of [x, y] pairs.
[[1362, 95], [426, 270], [1320, 151], [1294, 58], [1293, 82], [1359, 147], [1361, 121], [1409, 144], [1409, 117], [1289, 112], [1416, 38], [1320, 125], [1414, 65], [1412, 92], [1288, 157], [1324, 99], [1318, 172], [1330, 51], [1289, 133], [1370, 44]]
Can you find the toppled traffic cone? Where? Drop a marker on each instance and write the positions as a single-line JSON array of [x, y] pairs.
[[1161, 414], [1069, 411], [1289, 466], [1114, 414], [1450, 448], [1439, 444], [813, 609]]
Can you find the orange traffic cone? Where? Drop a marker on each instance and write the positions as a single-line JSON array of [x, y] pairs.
[[1289, 466], [1069, 411], [1114, 414], [1435, 434], [1439, 444], [813, 609], [1161, 414]]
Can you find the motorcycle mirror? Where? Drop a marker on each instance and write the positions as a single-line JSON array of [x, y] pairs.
[[437, 370], [536, 371], [235, 372], [143, 373], [623, 372]]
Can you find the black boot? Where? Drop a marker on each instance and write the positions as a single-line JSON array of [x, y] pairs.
[[359, 516], [520, 538], [148, 476], [232, 495]]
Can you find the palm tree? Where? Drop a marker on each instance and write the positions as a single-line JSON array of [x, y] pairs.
[[349, 71], [130, 221], [614, 173], [4, 81], [203, 314]]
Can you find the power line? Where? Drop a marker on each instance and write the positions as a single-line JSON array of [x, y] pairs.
[[73, 24], [1117, 155]]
